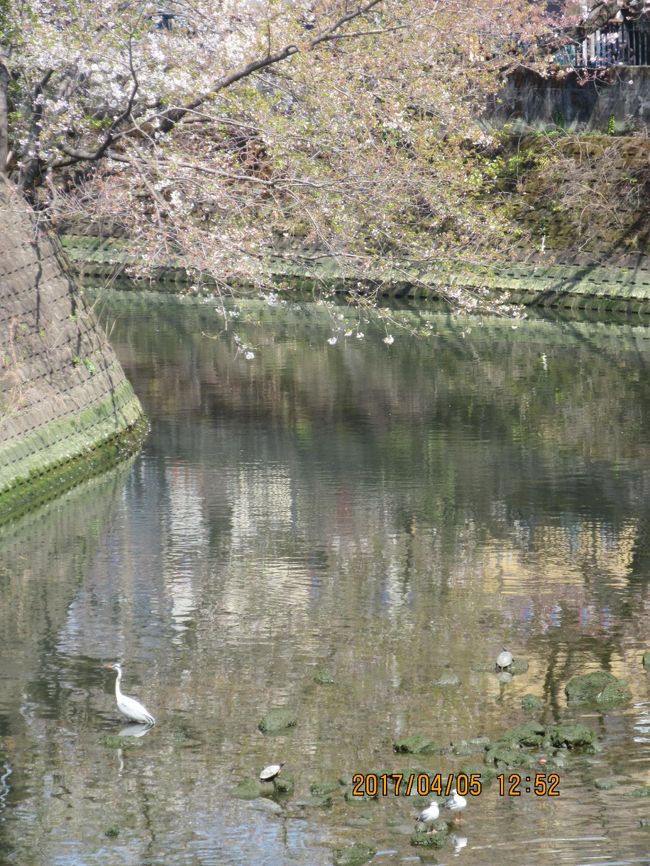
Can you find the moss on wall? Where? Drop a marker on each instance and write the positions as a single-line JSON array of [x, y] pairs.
[[63, 393]]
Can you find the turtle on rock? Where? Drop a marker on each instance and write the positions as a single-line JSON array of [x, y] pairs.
[[271, 772], [504, 660]]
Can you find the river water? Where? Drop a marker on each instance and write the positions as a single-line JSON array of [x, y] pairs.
[[380, 515]]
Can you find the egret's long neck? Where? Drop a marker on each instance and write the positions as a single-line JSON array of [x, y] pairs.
[[118, 690]]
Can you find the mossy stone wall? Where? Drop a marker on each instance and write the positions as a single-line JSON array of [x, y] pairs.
[[618, 97], [63, 393]]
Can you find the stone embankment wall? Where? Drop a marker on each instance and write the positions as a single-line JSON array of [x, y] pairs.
[[66, 408], [616, 99], [623, 287]]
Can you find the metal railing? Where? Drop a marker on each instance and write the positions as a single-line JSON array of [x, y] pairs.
[[626, 44]]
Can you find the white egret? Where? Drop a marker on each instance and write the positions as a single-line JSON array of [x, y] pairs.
[[271, 772], [430, 814], [504, 659], [129, 707]]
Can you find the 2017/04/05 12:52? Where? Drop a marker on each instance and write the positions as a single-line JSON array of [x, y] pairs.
[[540, 784], [425, 784]]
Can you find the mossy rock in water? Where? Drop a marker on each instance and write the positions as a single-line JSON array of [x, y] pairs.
[[646, 660], [502, 756], [447, 681], [324, 789], [277, 720], [640, 792], [487, 774], [416, 744], [312, 803], [324, 678], [532, 704], [608, 782], [247, 789], [530, 734], [599, 687], [615, 694], [284, 784], [571, 736], [435, 838], [518, 666], [355, 855]]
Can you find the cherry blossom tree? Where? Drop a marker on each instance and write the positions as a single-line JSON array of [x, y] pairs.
[[219, 131]]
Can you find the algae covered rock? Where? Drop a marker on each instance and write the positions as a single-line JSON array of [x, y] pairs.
[[435, 839], [324, 789], [324, 678], [247, 789], [646, 660], [606, 783], [277, 720], [487, 774], [312, 803], [514, 748], [532, 704], [447, 681], [529, 734], [502, 756], [599, 687], [354, 855], [416, 744], [640, 792], [284, 784], [571, 736], [518, 666], [615, 693]]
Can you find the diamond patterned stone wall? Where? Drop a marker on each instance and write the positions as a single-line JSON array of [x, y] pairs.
[[63, 393]]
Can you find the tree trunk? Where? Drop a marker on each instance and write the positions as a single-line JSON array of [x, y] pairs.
[[4, 111]]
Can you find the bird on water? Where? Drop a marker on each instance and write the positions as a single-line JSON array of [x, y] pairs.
[[455, 804], [430, 814], [131, 709], [504, 660]]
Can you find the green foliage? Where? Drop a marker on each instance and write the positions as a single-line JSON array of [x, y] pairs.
[[559, 119]]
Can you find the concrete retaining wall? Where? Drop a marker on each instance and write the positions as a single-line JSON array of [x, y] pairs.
[[619, 97], [63, 394], [573, 284]]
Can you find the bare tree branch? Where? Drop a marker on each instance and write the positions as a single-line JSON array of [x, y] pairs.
[[168, 119], [111, 132]]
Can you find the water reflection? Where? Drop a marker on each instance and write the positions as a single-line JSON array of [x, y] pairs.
[[383, 515], [134, 730]]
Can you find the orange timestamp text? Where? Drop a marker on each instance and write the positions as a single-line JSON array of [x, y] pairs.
[[423, 784], [539, 784]]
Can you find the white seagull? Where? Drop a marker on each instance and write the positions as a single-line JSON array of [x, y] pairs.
[[129, 707], [430, 814], [455, 803]]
